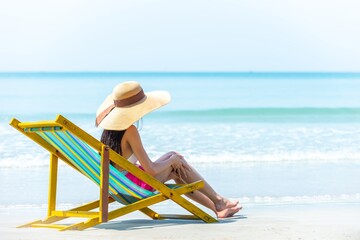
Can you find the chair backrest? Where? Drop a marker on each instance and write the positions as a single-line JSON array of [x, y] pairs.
[[87, 161]]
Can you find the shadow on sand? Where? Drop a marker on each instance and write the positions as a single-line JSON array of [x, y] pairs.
[[136, 224]]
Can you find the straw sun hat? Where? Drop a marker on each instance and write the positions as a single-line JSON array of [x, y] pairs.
[[127, 104]]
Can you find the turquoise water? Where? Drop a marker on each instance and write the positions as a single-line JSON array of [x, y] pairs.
[[83, 92], [282, 137]]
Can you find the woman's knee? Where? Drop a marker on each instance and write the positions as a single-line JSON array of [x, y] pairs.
[[172, 153], [177, 154]]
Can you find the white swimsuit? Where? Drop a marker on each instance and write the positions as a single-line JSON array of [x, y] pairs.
[[133, 159]]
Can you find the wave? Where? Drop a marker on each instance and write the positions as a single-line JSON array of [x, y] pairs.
[[230, 112], [266, 111], [244, 200], [315, 199], [286, 157], [305, 114], [40, 159], [218, 141], [241, 115]]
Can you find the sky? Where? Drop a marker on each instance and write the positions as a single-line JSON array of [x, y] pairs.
[[179, 36]]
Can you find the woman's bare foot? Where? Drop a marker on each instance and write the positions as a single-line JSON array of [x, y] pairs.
[[225, 203], [228, 212]]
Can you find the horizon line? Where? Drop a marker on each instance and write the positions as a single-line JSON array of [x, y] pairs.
[[178, 72]]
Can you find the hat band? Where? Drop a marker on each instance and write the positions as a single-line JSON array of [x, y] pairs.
[[119, 103], [130, 100]]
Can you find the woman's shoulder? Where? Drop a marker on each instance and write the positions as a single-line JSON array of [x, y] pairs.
[[131, 129], [131, 132], [130, 139]]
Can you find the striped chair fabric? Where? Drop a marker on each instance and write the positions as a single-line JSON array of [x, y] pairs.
[[87, 161]]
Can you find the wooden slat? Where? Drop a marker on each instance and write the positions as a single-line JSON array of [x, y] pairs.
[[104, 184], [81, 214], [178, 216], [43, 225], [38, 124], [189, 187]]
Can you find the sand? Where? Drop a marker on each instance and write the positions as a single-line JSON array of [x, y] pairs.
[[322, 221]]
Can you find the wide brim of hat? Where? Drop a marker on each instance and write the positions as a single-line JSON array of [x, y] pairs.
[[120, 118]]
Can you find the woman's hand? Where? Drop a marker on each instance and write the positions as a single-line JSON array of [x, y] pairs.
[[180, 166]]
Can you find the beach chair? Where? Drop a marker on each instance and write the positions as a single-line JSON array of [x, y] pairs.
[[69, 143]]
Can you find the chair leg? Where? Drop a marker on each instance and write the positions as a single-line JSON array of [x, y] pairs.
[[104, 184], [150, 213], [194, 209], [52, 219], [52, 184], [176, 197]]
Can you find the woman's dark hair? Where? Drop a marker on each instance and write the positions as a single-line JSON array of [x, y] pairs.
[[112, 138]]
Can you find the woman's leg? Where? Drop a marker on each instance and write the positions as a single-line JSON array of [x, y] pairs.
[[205, 201], [164, 176], [220, 202], [205, 196]]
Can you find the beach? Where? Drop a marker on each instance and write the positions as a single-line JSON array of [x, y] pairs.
[[267, 222], [259, 99], [287, 146]]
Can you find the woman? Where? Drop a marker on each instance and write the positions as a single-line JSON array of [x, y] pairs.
[[116, 116]]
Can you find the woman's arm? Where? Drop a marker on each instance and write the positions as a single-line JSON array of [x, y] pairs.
[[153, 168]]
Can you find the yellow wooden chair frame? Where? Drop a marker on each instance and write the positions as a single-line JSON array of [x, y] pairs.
[[107, 154]]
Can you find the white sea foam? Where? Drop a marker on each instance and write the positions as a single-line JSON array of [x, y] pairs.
[[41, 159], [26, 160], [210, 143], [244, 200], [270, 200], [308, 157]]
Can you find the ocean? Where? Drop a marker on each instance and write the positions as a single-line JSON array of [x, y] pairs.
[[263, 138]]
